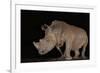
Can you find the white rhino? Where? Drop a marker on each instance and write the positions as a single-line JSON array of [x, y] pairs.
[[60, 32]]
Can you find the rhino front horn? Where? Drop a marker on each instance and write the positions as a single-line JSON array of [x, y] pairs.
[[35, 44]]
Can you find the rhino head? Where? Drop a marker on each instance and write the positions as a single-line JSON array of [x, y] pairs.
[[44, 46], [47, 43]]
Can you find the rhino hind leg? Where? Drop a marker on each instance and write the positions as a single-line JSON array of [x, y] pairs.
[[84, 49], [83, 53], [77, 53]]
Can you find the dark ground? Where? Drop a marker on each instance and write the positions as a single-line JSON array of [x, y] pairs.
[[31, 22]]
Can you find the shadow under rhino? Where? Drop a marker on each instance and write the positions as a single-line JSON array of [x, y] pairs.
[[50, 56], [53, 55]]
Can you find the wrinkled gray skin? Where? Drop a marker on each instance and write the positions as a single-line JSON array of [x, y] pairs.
[[59, 33]]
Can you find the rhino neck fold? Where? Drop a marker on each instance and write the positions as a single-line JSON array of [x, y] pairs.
[[52, 41]]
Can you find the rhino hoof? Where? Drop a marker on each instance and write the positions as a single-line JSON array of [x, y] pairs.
[[68, 58], [76, 58], [84, 57]]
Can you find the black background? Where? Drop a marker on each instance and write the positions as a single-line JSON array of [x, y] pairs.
[[31, 22]]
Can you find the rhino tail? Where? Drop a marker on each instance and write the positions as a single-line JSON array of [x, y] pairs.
[[84, 49]]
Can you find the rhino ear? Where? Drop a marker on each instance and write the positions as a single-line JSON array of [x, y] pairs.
[[44, 27], [40, 40]]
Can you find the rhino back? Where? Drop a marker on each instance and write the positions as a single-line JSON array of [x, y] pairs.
[[58, 26]]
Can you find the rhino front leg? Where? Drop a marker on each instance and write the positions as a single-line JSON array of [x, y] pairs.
[[60, 51], [67, 52], [62, 55]]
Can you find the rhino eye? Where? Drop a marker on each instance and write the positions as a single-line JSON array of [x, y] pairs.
[[42, 51], [47, 39]]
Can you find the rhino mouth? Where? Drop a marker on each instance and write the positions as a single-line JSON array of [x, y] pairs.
[[42, 52]]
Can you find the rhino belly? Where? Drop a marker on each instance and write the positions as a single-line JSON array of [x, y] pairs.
[[78, 43]]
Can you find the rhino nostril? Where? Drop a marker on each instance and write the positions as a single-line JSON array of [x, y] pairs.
[[42, 51]]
